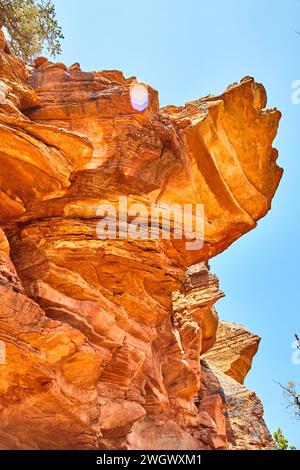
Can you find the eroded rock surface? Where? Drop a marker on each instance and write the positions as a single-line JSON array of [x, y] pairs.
[[103, 338], [243, 425]]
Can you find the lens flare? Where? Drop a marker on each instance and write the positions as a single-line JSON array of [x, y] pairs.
[[139, 97]]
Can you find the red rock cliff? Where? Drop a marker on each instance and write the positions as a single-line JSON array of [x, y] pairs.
[[103, 338]]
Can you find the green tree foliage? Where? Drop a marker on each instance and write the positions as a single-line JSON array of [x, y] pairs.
[[281, 441], [31, 26]]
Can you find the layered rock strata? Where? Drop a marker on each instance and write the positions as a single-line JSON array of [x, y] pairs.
[[103, 337]]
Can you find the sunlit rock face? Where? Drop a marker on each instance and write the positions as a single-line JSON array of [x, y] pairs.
[[103, 338], [242, 425], [233, 351]]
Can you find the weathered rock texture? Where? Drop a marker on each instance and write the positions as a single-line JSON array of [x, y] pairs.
[[233, 351], [103, 338]]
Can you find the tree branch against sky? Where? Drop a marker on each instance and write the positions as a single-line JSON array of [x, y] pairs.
[[31, 27], [292, 397]]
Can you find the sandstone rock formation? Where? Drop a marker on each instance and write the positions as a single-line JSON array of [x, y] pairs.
[[103, 338], [223, 370], [233, 351]]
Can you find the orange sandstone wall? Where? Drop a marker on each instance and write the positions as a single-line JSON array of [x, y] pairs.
[[115, 344]]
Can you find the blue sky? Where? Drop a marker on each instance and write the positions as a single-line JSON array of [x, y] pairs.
[[190, 49]]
